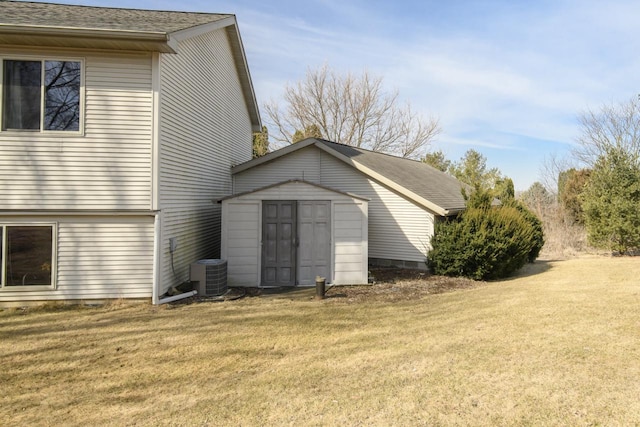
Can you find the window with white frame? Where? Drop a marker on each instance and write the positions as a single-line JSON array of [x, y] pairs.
[[41, 95], [26, 255]]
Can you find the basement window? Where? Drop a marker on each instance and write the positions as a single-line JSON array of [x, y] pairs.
[[27, 256], [41, 95]]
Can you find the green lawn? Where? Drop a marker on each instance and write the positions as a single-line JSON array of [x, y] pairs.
[[557, 345]]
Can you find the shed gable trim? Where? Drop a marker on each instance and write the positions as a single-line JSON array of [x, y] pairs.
[[293, 181]]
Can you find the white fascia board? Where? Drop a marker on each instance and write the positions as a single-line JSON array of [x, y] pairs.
[[201, 29], [83, 32], [152, 40]]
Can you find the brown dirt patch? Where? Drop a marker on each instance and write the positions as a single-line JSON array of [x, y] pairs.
[[390, 285], [395, 284]]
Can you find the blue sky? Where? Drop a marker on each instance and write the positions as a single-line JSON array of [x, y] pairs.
[[506, 78]]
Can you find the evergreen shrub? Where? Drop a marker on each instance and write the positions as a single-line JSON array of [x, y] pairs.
[[486, 242]]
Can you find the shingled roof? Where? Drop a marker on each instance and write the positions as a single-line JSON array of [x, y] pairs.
[[101, 18], [87, 27], [417, 181]]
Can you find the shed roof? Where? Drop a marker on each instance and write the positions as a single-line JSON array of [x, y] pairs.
[[417, 181], [86, 27]]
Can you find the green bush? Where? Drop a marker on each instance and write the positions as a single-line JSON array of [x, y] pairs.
[[486, 242], [537, 239], [611, 203]]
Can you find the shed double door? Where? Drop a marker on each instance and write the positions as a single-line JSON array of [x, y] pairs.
[[296, 242]]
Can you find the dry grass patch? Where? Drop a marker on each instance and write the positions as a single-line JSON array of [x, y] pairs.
[[558, 344]]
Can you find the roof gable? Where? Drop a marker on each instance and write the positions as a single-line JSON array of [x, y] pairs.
[[417, 181]]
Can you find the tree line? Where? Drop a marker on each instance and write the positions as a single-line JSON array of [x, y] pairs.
[[597, 188]]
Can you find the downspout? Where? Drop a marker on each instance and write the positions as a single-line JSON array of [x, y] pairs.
[[155, 176], [156, 260]]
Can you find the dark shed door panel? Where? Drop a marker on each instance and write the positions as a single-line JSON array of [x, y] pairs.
[[278, 242]]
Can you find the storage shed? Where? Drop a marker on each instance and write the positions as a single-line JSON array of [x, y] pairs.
[[406, 197], [288, 233]]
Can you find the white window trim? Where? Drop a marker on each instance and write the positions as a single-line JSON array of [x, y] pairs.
[[42, 131], [54, 257]]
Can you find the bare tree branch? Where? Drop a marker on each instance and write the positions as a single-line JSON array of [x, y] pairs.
[[550, 169], [615, 126], [352, 110]]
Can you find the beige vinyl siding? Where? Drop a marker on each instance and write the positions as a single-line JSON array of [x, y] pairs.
[[350, 244], [109, 167], [241, 241], [302, 164], [98, 257], [398, 228], [204, 129]]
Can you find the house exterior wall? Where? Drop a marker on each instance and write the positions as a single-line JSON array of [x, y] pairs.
[[98, 257], [94, 186], [204, 129], [399, 230], [242, 233], [107, 167]]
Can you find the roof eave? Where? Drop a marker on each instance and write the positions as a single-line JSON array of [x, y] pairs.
[[47, 36], [242, 67], [453, 211]]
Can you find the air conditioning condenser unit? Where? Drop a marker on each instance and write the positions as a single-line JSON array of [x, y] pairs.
[[210, 275]]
